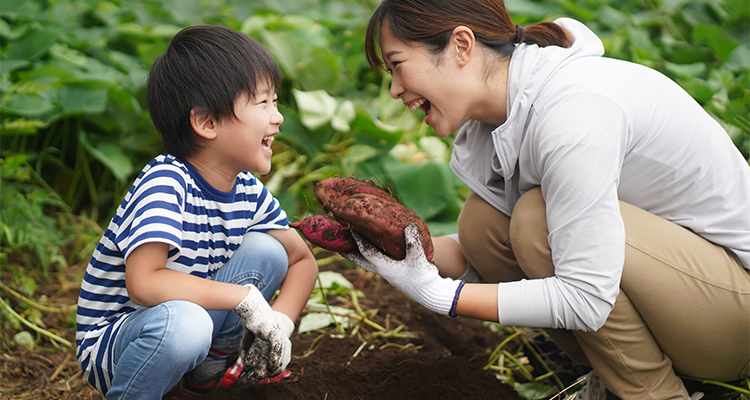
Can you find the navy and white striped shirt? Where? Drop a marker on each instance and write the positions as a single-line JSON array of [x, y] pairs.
[[171, 203]]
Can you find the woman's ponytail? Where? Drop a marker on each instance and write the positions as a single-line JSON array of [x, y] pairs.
[[544, 34]]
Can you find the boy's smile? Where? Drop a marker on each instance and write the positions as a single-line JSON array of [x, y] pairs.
[[250, 135], [241, 143]]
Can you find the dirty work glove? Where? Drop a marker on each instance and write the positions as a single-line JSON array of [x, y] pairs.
[[256, 351], [262, 322], [414, 275]]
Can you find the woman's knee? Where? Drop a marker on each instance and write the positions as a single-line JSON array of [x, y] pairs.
[[483, 233], [528, 235]]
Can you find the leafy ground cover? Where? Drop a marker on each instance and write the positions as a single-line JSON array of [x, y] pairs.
[[359, 338]]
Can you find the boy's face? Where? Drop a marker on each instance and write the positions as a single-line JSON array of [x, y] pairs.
[[246, 140]]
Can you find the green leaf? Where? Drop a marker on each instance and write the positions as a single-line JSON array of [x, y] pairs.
[[309, 141], [111, 155], [372, 132], [321, 319], [533, 8], [81, 99], [739, 58], [700, 89], [426, 188], [27, 105], [535, 391], [25, 339], [33, 45], [357, 154], [7, 66], [329, 278], [316, 107], [643, 45], [9, 33], [686, 71], [715, 38]]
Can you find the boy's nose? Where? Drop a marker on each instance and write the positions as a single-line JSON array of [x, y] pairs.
[[277, 118]]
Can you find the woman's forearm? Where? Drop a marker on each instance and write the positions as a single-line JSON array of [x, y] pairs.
[[478, 300]]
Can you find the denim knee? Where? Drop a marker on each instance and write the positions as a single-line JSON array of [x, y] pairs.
[[261, 260], [187, 333], [156, 346]]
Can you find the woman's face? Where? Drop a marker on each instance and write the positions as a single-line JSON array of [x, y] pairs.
[[432, 83]]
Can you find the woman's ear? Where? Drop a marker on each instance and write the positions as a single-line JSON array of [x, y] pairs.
[[202, 122], [463, 42]]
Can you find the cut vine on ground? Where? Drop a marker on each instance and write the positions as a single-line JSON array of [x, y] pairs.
[[398, 350]]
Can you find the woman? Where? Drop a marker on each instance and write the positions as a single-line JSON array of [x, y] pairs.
[[606, 204]]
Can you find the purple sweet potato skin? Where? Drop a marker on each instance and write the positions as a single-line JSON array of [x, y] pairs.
[[325, 232], [382, 222], [332, 191]]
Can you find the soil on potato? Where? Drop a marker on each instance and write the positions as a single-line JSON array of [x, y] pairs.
[[444, 359]]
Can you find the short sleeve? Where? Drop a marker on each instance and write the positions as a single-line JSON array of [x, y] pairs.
[[153, 212]]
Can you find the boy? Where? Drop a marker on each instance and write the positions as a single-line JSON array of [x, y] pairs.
[[181, 278]]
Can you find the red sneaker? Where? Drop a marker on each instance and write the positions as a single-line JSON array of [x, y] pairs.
[[235, 373]]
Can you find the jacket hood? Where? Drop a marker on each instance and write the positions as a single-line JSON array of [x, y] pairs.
[[530, 68]]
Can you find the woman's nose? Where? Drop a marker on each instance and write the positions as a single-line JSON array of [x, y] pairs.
[[396, 89]]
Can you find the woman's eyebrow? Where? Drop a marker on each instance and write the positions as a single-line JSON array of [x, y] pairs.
[[388, 55]]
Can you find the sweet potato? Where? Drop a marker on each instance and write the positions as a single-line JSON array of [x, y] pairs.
[[382, 222], [332, 191], [324, 231]]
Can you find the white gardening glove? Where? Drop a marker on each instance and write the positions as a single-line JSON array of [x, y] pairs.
[[414, 275], [256, 351], [262, 323]]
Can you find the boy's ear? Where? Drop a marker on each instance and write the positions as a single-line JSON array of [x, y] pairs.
[[202, 122]]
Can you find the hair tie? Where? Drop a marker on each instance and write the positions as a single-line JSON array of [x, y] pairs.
[[520, 36]]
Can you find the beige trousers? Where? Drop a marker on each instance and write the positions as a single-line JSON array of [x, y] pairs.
[[683, 307]]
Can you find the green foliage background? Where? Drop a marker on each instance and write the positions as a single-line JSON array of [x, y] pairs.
[[75, 130]]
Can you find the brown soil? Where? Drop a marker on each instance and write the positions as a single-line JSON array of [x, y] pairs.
[[443, 359]]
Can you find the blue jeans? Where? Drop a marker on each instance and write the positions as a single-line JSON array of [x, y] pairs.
[[157, 345]]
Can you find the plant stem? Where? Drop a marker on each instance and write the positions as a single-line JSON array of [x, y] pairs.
[[35, 304], [34, 327], [328, 307], [717, 383]]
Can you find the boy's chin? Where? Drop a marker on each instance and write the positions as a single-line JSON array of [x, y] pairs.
[[264, 171]]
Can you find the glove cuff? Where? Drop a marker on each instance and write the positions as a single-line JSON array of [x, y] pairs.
[[252, 301], [440, 297], [452, 312], [285, 323]]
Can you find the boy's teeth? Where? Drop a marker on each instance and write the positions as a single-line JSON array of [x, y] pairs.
[[416, 105]]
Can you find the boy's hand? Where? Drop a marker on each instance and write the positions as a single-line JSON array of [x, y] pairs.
[[257, 351], [415, 276], [263, 323]]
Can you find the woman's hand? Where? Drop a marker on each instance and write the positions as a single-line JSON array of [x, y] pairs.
[[414, 275]]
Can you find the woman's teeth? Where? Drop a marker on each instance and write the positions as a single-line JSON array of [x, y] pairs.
[[267, 141], [414, 106]]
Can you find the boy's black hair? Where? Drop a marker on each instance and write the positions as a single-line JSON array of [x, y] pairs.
[[205, 67]]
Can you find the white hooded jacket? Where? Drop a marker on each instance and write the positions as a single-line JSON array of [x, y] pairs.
[[590, 131]]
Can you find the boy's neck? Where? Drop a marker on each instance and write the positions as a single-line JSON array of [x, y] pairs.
[[214, 173]]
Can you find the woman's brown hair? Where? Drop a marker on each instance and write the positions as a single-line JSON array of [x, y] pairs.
[[431, 22]]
